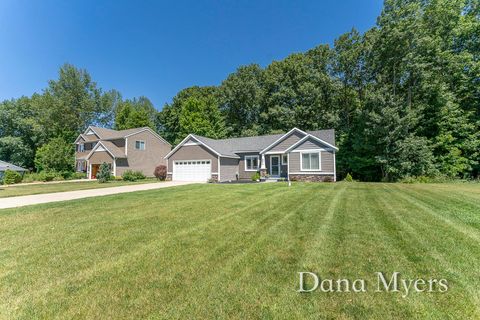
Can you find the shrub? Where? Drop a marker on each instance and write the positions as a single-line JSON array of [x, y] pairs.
[[348, 178], [79, 175], [160, 172], [130, 175], [46, 176], [256, 176], [103, 174], [11, 177]]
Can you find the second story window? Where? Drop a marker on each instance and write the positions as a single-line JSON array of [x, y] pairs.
[[140, 145], [81, 147]]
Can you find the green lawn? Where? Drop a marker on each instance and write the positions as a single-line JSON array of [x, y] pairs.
[[13, 191], [206, 251]]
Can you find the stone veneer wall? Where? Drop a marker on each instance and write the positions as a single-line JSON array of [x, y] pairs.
[[312, 177]]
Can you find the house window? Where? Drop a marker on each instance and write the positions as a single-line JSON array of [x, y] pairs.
[[140, 145], [81, 147], [310, 161], [284, 159], [251, 163]]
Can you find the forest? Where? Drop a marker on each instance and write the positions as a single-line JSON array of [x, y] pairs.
[[403, 97]]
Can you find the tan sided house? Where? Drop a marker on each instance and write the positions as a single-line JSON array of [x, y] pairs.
[[135, 149], [295, 155]]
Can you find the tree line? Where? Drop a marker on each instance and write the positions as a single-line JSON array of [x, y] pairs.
[[404, 98]]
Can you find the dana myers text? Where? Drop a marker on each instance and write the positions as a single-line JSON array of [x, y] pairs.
[[382, 282]]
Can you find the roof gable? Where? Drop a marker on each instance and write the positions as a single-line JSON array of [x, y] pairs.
[[295, 131]]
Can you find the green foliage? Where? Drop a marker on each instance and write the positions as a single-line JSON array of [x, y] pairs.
[[131, 175], [256, 176], [348, 178], [14, 150], [56, 155], [104, 174], [134, 114], [11, 177]]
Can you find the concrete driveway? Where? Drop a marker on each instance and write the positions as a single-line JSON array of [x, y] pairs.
[[80, 194]]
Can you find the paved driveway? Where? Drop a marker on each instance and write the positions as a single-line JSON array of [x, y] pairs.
[[79, 194]]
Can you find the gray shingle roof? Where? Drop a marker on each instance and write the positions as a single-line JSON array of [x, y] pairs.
[[5, 166], [230, 147], [116, 151], [108, 134]]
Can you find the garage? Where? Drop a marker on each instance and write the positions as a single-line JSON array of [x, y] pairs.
[[192, 170]]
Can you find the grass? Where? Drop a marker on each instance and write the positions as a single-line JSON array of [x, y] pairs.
[[233, 251], [23, 190]]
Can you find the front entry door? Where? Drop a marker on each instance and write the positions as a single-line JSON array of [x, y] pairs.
[[275, 166]]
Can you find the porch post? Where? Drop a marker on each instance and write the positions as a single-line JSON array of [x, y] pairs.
[[263, 167]]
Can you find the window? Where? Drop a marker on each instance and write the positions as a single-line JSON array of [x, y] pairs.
[[251, 163], [310, 161], [81, 147], [284, 159], [140, 145]]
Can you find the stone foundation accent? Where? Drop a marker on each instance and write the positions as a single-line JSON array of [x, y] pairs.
[[169, 177], [215, 177], [312, 177], [263, 172]]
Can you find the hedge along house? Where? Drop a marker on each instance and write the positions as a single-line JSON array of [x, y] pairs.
[[295, 155], [136, 149]]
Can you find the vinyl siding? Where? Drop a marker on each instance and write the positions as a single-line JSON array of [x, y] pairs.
[[228, 169], [246, 175], [198, 152], [146, 160], [100, 157], [310, 144], [293, 138], [327, 161]]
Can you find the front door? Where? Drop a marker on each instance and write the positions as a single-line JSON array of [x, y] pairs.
[[94, 171], [275, 166]]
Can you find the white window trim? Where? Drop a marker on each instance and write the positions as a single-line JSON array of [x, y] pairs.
[[319, 161], [144, 145], [258, 163], [285, 155]]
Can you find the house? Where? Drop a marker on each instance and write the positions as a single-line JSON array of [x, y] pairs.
[[133, 149], [4, 166], [295, 155]]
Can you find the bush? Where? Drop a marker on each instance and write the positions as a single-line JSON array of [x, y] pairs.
[[256, 176], [79, 175], [130, 175], [348, 178], [11, 177], [160, 172], [56, 155], [104, 174], [47, 176]]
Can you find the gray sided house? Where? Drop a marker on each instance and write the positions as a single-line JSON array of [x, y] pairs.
[[295, 155], [4, 166], [134, 149]]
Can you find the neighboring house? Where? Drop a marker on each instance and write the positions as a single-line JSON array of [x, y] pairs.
[[295, 155], [4, 166], [135, 149]]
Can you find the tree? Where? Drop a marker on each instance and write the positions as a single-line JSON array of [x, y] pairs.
[[201, 116], [56, 155], [13, 150], [135, 113], [71, 103]]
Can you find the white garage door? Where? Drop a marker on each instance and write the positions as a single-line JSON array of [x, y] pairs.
[[192, 170]]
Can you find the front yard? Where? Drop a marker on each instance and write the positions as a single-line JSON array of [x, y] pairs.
[[49, 187], [205, 251]]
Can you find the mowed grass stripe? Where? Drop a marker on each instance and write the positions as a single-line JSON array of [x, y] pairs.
[[233, 251], [428, 261]]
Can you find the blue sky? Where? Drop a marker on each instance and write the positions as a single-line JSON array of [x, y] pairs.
[[154, 48]]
